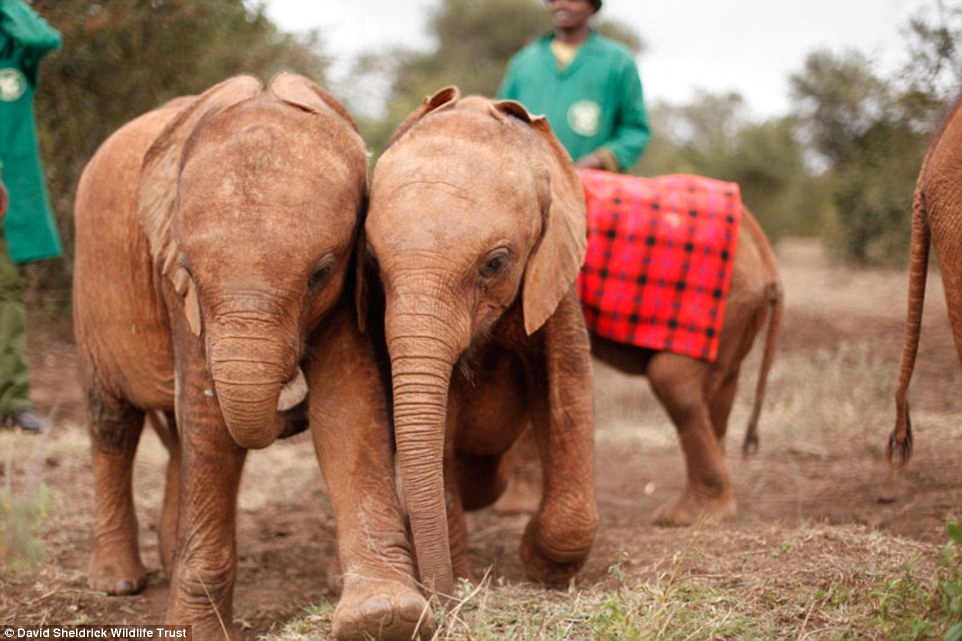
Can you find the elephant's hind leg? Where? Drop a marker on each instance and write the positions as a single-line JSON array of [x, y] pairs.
[[678, 382], [720, 405], [115, 428], [522, 473], [165, 426], [481, 479]]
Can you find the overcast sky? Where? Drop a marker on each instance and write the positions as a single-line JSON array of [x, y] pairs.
[[748, 46]]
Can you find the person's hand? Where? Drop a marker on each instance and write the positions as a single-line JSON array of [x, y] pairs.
[[591, 161], [3, 200]]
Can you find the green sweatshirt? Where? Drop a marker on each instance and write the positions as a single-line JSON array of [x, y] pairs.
[[29, 227], [594, 102]]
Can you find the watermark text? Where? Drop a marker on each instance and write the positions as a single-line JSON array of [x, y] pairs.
[[180, 632]]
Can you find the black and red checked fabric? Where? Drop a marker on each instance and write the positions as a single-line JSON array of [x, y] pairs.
[[659, 260]]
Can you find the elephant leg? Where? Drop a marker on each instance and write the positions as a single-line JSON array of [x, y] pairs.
[[721, 401], [679, 383], [352, 440], [167, 431], [522, 473], [481, 479], [558, 538], [205, 563], [115, 428]]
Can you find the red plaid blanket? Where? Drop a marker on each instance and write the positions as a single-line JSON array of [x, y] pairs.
[[659, 259]]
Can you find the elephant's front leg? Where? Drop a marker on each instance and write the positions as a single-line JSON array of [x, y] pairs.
[[679, 383], [205, 563], [558, 537], [352, 438], [115, 428]]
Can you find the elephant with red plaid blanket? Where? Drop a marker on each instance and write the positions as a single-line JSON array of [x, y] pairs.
[[677, 283]]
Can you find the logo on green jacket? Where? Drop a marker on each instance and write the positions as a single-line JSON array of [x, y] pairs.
[[13, 84], [584, 117]]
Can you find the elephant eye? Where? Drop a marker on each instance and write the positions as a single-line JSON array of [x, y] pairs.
[[494, 264], [182, 261], [322, 273]]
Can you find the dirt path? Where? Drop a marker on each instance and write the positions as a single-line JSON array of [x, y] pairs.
[[829, 410]]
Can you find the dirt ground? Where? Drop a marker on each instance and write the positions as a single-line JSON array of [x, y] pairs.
[[827, 415]]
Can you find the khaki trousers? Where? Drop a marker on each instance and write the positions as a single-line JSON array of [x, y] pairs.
[[14, 370]]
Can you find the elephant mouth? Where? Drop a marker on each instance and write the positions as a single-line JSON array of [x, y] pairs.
[[293, 392]]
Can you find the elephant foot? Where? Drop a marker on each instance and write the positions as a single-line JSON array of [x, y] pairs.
[[386, 610], [555, 567], [689, 508], [116, 573], [521, 497]]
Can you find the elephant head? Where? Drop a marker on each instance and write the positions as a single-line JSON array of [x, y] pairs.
[[475, 210], [250, 200]]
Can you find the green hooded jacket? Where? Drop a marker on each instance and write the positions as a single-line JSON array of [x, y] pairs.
[[595, 102], [29, 227]]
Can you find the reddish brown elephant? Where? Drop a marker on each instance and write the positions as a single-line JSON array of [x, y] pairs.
[[697, 394], [214, 238], [474, 237], [936, 220]]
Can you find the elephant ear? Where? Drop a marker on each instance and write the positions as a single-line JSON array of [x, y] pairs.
[[299, 91], [159, 178], [557, 258], [443, 99]]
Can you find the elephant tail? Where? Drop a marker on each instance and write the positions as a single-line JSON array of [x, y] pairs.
[[899, 449], [775, 297]]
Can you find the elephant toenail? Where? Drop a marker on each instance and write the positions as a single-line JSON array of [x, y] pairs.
[[380, 608], [411, 606]]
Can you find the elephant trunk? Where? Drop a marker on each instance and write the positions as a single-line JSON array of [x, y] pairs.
[[421, 369], [250, 374]]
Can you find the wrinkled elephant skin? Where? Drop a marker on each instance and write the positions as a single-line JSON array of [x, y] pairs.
[[213, 240], [472, 198]]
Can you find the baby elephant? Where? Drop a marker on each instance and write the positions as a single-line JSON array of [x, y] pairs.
[[213, 242], [474, 237]]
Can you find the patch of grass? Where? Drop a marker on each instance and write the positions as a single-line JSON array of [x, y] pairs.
[[851, 376], [952, 582], [306, 627], [813, 583], [21, 516], [23, 507]]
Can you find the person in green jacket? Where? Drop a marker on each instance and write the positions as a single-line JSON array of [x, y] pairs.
[[586, 85], [29, 231]]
